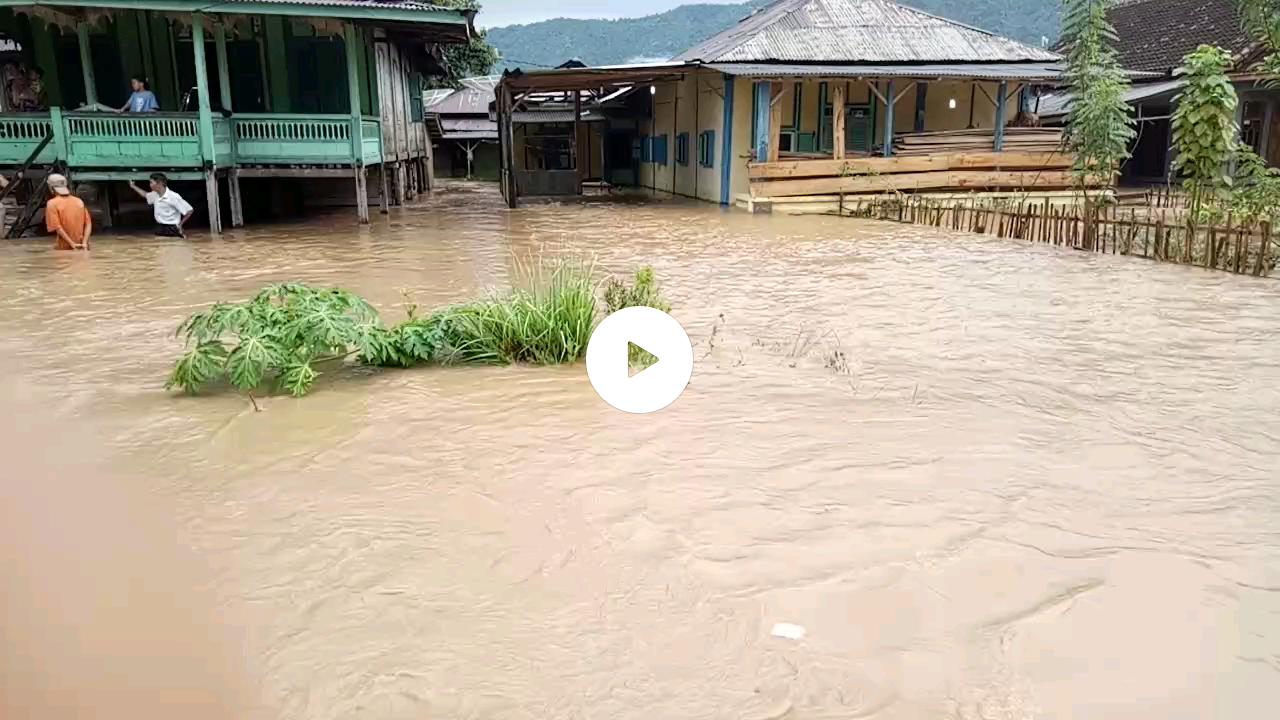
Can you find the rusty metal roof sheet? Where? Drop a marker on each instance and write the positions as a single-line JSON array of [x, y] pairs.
[[926, 71], [467, 101], [467, 124], [849, 31]]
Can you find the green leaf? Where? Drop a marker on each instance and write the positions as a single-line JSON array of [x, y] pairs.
[[250, 361], [298, 377]]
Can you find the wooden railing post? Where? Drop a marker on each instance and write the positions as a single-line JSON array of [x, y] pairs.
[[58, 126], [837, 126]]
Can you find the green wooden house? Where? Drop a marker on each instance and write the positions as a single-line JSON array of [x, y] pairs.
[[247, 89]]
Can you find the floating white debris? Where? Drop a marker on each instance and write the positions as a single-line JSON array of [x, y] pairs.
[[789, 631]]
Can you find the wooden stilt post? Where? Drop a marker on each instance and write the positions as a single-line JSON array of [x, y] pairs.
[[206, 125], [837, 117], [237, 203], [86, 63], [386, 190], [352, 43], [506, 135]]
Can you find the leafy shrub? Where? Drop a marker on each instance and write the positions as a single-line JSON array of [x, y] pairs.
[[280, 335]]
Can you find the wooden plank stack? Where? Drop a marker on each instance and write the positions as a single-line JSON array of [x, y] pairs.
[[977, 140]]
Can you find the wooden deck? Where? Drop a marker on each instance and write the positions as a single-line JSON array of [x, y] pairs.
[[963, 172]]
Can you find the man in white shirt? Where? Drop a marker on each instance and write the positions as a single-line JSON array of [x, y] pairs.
[[172, 212]]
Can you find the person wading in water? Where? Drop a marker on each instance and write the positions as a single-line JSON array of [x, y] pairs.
[[66, 216], [172, 212]]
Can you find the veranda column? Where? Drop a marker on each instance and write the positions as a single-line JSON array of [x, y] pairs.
[[889, 102], [224, 91], [357, 140], [86, 64], [206, 124], [837, 122], [1000, 119]]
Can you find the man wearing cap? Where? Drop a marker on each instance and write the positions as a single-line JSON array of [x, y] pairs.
[[66, 216]]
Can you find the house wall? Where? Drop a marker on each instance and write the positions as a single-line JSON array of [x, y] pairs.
[[693, 104]]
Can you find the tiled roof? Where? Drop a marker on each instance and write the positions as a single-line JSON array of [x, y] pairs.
[[1154, 35], [854, 31]]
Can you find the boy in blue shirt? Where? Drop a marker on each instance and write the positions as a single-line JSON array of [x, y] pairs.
[[142, 100]]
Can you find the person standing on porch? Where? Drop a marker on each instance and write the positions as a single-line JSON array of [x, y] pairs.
[[66, 216], [142, 100], [171, 210]]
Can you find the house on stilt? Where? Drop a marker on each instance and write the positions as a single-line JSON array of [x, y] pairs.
[[808, 101], [250, 91]]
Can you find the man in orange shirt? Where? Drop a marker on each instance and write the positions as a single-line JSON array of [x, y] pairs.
[[66, 216]]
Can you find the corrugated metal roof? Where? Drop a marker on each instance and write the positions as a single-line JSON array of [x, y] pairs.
[[845, 31], [994, 71], [1058, 104], [468, 124], [551, 116], [410, 5], [470, 135], [467, 101]]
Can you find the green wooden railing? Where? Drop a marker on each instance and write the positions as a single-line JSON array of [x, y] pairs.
[[20, 134], [172, 140]]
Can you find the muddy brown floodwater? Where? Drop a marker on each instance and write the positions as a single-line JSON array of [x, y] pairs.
[[989, 479]]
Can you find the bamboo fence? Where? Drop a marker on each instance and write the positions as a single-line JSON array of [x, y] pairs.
[[1156, 233]]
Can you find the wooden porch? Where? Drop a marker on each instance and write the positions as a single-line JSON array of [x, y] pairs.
[[963, 142], [247, 71]]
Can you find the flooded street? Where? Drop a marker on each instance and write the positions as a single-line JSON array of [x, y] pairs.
[[989, 479]]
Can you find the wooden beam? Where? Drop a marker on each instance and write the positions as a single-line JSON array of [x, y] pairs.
[[573, 147], [775, 121], [912, 163], [951, 179], [837, 127], [86, 63]]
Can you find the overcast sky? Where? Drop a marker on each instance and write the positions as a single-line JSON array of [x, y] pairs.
[[509, 12]]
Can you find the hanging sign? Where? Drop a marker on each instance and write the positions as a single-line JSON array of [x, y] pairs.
[[10, 45]]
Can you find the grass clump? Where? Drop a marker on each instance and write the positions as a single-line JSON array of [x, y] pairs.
[[281, 336], [548, 324], [642, 291]]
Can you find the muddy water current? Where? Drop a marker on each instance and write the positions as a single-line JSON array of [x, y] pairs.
[[988, 479]]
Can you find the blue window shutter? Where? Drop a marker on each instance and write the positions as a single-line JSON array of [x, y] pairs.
[[682, 148], [707, 148], [646, 148]]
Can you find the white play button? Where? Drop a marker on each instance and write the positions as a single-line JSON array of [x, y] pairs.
[[648, 389]]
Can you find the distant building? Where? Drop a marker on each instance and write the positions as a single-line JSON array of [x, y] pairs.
[[1152, 38], [464, 138], [899, 98]]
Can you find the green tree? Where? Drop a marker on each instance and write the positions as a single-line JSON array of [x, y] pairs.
[[1262, 20], [476, 57], [1204, 126], [1100, 125]]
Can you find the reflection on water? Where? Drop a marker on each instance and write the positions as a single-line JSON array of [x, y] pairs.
[[990, 480]]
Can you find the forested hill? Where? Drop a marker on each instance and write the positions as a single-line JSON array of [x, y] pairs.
[[662, 36]]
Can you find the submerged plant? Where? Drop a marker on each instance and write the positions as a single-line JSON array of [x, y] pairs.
[[548, 323], [279, 335]]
